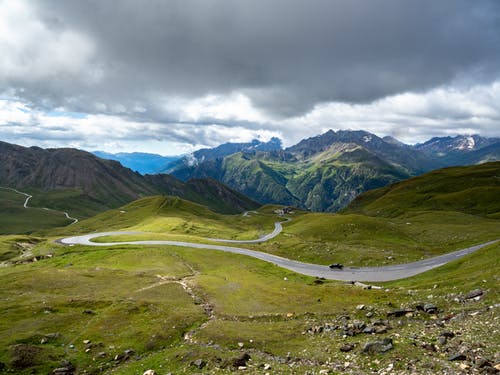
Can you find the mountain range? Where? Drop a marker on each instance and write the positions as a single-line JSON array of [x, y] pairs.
[[142, 162], [326, 172], [322, 173], [78, 181]]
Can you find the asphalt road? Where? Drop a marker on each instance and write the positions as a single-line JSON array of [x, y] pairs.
[[385, 273]]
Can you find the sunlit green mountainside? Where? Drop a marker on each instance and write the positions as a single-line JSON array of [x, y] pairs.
[[473, 190], [83, 184], [326, 172], [125, 309]]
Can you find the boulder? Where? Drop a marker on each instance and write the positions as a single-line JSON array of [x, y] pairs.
[[346, 348], [474, 293], [381, 346], [241, 361], [457, 357], [199, 363], [430, 308]]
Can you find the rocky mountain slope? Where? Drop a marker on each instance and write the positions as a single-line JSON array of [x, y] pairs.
[[84, 182], [326, 172]]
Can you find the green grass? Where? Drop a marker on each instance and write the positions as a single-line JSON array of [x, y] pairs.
[[16, 219], [473, 190], [147, 298]]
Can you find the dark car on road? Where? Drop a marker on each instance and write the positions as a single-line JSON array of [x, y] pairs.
[[336, 266]]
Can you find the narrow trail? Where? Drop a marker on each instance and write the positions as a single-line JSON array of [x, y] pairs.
[[28, 197]]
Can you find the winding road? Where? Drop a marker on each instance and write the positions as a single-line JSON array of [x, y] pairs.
[[384, 273]]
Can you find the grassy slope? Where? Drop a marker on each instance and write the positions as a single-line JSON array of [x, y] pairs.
[[137, 300], [472, 190], [14, 218], [262, 306]]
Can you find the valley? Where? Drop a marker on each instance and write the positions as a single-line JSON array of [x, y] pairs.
[[152, 293]]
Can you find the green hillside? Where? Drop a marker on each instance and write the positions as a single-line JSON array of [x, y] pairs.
[[473, 190], [125, 309], [324, 181]]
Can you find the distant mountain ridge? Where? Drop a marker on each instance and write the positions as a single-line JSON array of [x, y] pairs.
[[142, 162], [326, 172], [88, 184], [222, 150]]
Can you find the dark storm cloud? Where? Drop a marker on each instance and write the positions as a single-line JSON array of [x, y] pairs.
[[286, 55]]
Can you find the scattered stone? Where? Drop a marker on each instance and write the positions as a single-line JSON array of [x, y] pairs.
[[149, 372], [399, 312], [374, 347], [483, 362], [346, 348], [129, 352], [240, 344], [473, 294], [369, 330], [267, 366], [360, 307], [447, 334], [430, 308], [464, 366], [429, 347], [86, 342], [457, 357], [199, 363], [369, 314], [62, 371], [497, 367], [242, 367], [442, 340], [102, 354], [241, 361]]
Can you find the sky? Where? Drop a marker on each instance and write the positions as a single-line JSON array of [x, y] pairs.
[[173, 76]]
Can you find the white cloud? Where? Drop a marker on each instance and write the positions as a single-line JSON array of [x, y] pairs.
[[411, 117], [32, 51]]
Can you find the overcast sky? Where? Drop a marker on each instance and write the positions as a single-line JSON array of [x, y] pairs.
[[172, 76]]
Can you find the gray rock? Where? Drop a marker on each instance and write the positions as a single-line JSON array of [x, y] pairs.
[[483, 362], [473, 294], [241, 361], [442, 340], [199, 363], [62, 371], [346, 348], [430, 308], [369, 330], [457, 357], [374, 347], [399, 312], [447, 334]]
